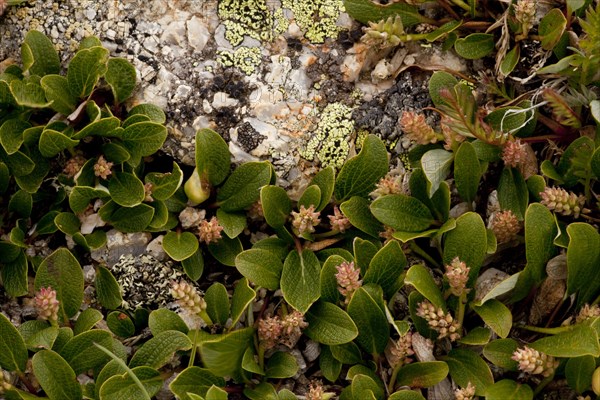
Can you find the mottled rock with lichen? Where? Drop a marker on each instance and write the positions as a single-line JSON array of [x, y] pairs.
[[330, 142]]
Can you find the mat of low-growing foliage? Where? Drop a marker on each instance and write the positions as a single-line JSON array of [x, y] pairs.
[[391, 275]]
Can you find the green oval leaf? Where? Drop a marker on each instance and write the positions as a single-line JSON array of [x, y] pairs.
[[81, 196], [468, 242], [121, 77], [582, 340], [583, 258], [212, 156], [328, 324], [242, 188], [233, 223], [438, 81], [300, 279], [132, 219], [55, 376], [386, 268], [422, 374], [13, 353], [310, 197], [144, 138], [420, 278], [579, 371], [360, 174], [162, 320], [475, 45], [510, 60], [540, 231], [194, 265], [126, 189], [402, 213], [11, 134], [124, 387], [260, 267], [217, 301], [500, 353], [329, 285], [551, 28], [357, 211], [348, 353], [180, 245], [513, 193], [38, 54], [194, 380], [365, 11], [120, 324], [276, 205], [330, 367], [53, 142], [86, 320], [108, 291], [57, 91], [281, 365], [226, 250], [157, 351], [406, 395], [508, 389], [14, 274], [155, 113], [222, 354], [373, 328], [82, 355], [164, 185], [28, 94], [325, 180], [466, 366], [85, 69], [105, 127], [477, 336], [436, 166], [467, 172], [496, 315], [243, 295], [61, 271]]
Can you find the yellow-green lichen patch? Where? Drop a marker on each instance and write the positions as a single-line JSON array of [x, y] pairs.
[[331, 140], [244, 58], [246, 17], [318, 18]]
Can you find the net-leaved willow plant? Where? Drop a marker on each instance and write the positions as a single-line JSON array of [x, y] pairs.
[[475, 33], [328, 271]]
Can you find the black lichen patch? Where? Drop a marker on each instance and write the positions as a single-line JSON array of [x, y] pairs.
[[248, 137], [145, 281], [381, 115], [326, 72], [231, 82]]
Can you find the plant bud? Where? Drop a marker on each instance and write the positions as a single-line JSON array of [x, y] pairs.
[[196, 190]]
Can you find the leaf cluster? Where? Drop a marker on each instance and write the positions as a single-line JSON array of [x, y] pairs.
[[294, 266]]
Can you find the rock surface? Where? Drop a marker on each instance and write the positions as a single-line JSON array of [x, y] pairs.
[[281, 80]]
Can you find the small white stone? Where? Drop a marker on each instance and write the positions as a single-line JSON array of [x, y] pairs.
[[222, 99], [351, 67], [182, 92], [174, 33], [155, 249], [197, 34], [90, 13], [111, 34], [150, 44], [206, 107], [381, 71], [294, 30]]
